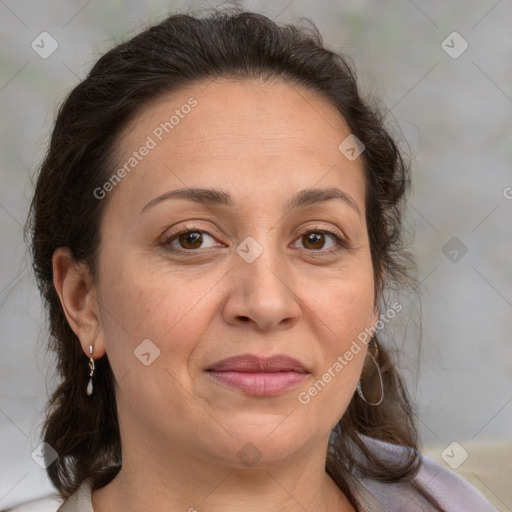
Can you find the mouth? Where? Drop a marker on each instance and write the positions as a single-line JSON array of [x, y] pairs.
[[259, 376]]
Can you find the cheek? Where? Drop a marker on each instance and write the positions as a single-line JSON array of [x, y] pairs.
[[150, 311], [344, 312], [344, 307]]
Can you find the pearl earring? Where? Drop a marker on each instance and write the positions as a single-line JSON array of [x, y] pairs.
[[91, 366]]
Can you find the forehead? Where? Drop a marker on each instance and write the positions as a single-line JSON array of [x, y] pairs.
[[240, 111], [240, 132]]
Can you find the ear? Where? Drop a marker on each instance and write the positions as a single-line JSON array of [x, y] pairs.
[[77, 294]]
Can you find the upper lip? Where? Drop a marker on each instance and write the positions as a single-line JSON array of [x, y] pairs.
[[254, 364]]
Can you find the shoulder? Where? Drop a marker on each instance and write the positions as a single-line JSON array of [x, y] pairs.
[[79, 501], [433, 488]]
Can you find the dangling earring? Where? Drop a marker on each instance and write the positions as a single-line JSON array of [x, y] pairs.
[[91, 366], [360, 391]]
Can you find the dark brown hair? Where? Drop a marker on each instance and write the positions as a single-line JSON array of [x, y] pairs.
[[181, 49]]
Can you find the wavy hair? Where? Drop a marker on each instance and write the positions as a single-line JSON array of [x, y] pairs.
[[182, 49]]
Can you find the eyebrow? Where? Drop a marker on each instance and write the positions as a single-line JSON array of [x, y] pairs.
[[213, 197]]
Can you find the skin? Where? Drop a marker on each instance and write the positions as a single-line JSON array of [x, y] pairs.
[[181, 431]]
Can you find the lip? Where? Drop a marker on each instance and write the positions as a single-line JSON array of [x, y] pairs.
[[259, 376], [253, 364]]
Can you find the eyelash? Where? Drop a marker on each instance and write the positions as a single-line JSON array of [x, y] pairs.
[[342, 244]]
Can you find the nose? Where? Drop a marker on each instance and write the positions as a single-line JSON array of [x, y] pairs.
[[262, 295]]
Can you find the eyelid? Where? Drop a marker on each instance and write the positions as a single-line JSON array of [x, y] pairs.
[[321, 229]]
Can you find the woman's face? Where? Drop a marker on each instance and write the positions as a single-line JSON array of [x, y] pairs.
[[257, 274]]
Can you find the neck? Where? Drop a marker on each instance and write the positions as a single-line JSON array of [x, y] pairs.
[[263, 492], [173, 479]]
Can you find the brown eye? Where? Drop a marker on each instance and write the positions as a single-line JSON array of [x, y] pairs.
[[190, 239], [314, 240], [322, 239]]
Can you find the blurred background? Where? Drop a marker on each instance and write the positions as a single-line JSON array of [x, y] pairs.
[[439, 72]]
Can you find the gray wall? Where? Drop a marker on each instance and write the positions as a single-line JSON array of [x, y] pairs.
[[455, 112]]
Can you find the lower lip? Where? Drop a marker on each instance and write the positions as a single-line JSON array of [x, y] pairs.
[[259, 384]]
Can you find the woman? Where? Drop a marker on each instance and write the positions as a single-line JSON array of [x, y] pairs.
[[214, 230]]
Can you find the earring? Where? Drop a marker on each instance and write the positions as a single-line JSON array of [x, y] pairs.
[[360, 391], [91, 366]]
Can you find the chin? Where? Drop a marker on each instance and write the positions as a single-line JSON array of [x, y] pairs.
[[265, 444]]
